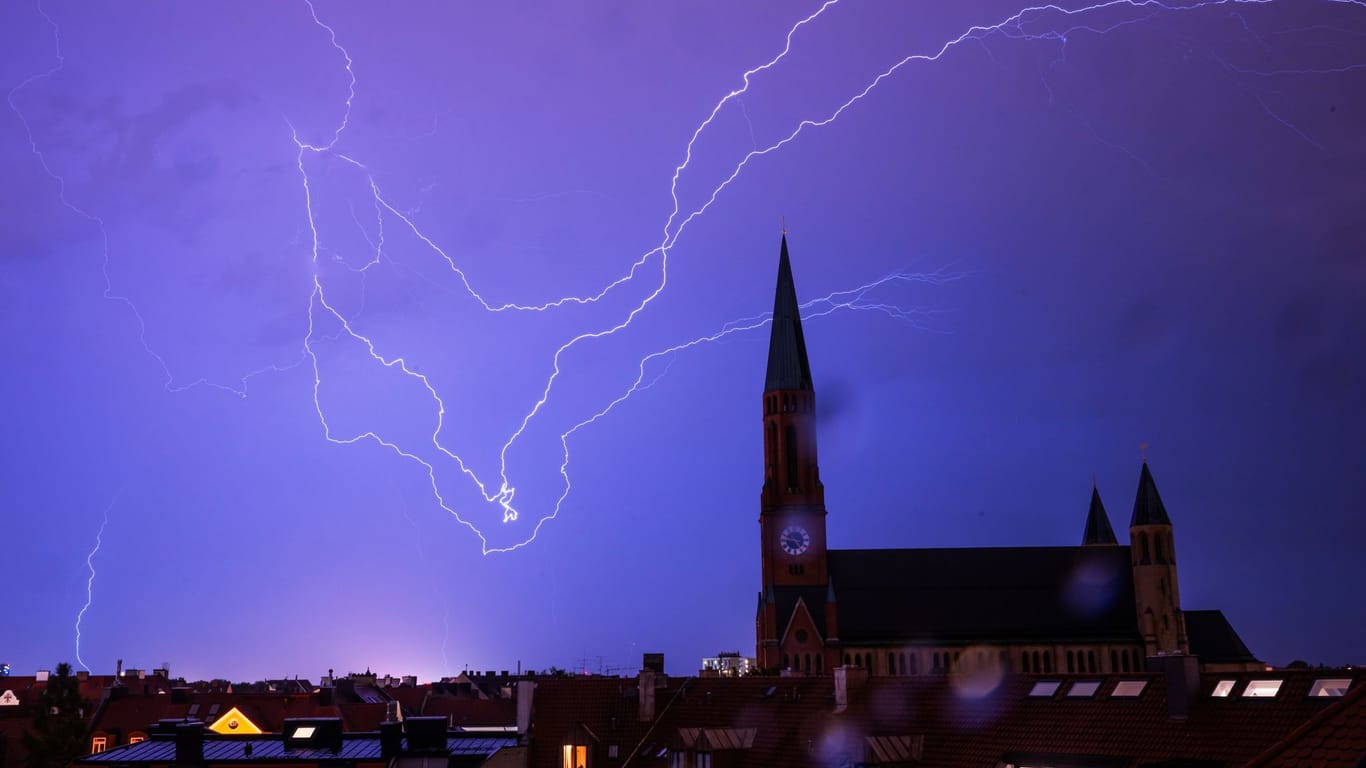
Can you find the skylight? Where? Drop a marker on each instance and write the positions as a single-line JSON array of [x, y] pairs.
[[1129, 688], [1223, 689], [304, 732], [1330, 686], [1045, 688], [1257, 689], [1083, 688]]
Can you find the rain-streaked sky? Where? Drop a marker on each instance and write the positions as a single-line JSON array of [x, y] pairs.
[[310, 310]]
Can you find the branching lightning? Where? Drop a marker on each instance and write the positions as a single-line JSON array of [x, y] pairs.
[[90, 582], [1048, 23]]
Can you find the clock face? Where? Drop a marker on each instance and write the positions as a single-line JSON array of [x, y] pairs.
[[794, 540]]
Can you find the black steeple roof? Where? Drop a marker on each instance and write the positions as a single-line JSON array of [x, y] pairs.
[[1148, 509], [1098, 530], [787, 364]]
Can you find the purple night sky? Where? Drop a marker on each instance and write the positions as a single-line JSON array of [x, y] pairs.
[[1131, 224]]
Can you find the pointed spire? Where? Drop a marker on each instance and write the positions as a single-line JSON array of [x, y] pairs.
[[787, 364], [1098, 530], [1148, 508]]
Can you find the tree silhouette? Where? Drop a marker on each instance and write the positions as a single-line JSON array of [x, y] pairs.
[[58, 734]]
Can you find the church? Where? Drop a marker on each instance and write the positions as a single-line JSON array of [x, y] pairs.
[[1101, 607]]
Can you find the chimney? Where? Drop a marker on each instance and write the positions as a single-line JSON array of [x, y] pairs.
[[525, 691], [848, 681], [189, 744], [1183, 682], [647, 695], [390, 739], [118, 669]]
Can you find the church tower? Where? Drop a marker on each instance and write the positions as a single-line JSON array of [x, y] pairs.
[[1152, 550], [792, 502]]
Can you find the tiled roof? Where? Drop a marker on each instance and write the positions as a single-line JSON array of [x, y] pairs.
[[1060, 594], [272, 749], [948, 720], [1335, 738]]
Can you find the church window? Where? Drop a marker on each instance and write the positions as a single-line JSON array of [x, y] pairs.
[[1143, 547], [772, 452], [868, 662], [1035, 660], [1124, 660], [1114, 661], [791, 451], [1162, 585], [1024, 661], [847, 662], [936, 662], [904, 671], [1157, 543], [1071, 662], [785, 661], [807, 664], [1048, 662], [819, 663], [1090, 661]]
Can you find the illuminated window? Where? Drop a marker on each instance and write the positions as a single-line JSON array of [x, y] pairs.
[[136, 737], [304, 732], [1128, 689], [1223, 689], [1045, 688], [1083, 688], [1330, 686], [1259, 689], [575, 756], [99, 744]]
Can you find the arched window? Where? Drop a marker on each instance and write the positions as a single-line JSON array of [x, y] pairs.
[[915, 663], [1090, 661], [868, 662], [791, 450], [807, 665], [1124, 660], [1114, 661], [1138, 665], [1035, 660], [936, 662], [1157, 544], [819, 664], [903, 663], [891, 663], [1142, 544], [1048, 662], [785, 661], [1024, 661], [847, 662], [1005, 661], [1071, 662]]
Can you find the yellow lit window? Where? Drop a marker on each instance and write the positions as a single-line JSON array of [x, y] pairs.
[[575, 756], [136, 739], [98, 745]]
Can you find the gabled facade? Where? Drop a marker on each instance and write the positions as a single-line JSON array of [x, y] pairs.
[[1101, 607]]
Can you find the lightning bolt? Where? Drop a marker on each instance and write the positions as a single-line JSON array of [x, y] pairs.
[[90, 582], [1047, 22]]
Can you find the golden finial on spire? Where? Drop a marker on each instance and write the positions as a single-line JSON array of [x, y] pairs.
[[1143, 448], [784, 220]]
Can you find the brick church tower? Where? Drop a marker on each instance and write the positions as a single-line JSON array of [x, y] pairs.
[[795, 626]]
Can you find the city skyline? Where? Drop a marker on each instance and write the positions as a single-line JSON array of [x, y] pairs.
[[1026, 251]]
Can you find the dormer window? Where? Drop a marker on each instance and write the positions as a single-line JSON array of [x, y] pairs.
[[99, 744], [1259, 689], [1330, 686], [575, 756]]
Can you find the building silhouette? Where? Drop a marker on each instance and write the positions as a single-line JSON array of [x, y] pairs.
[[1100, 607]]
